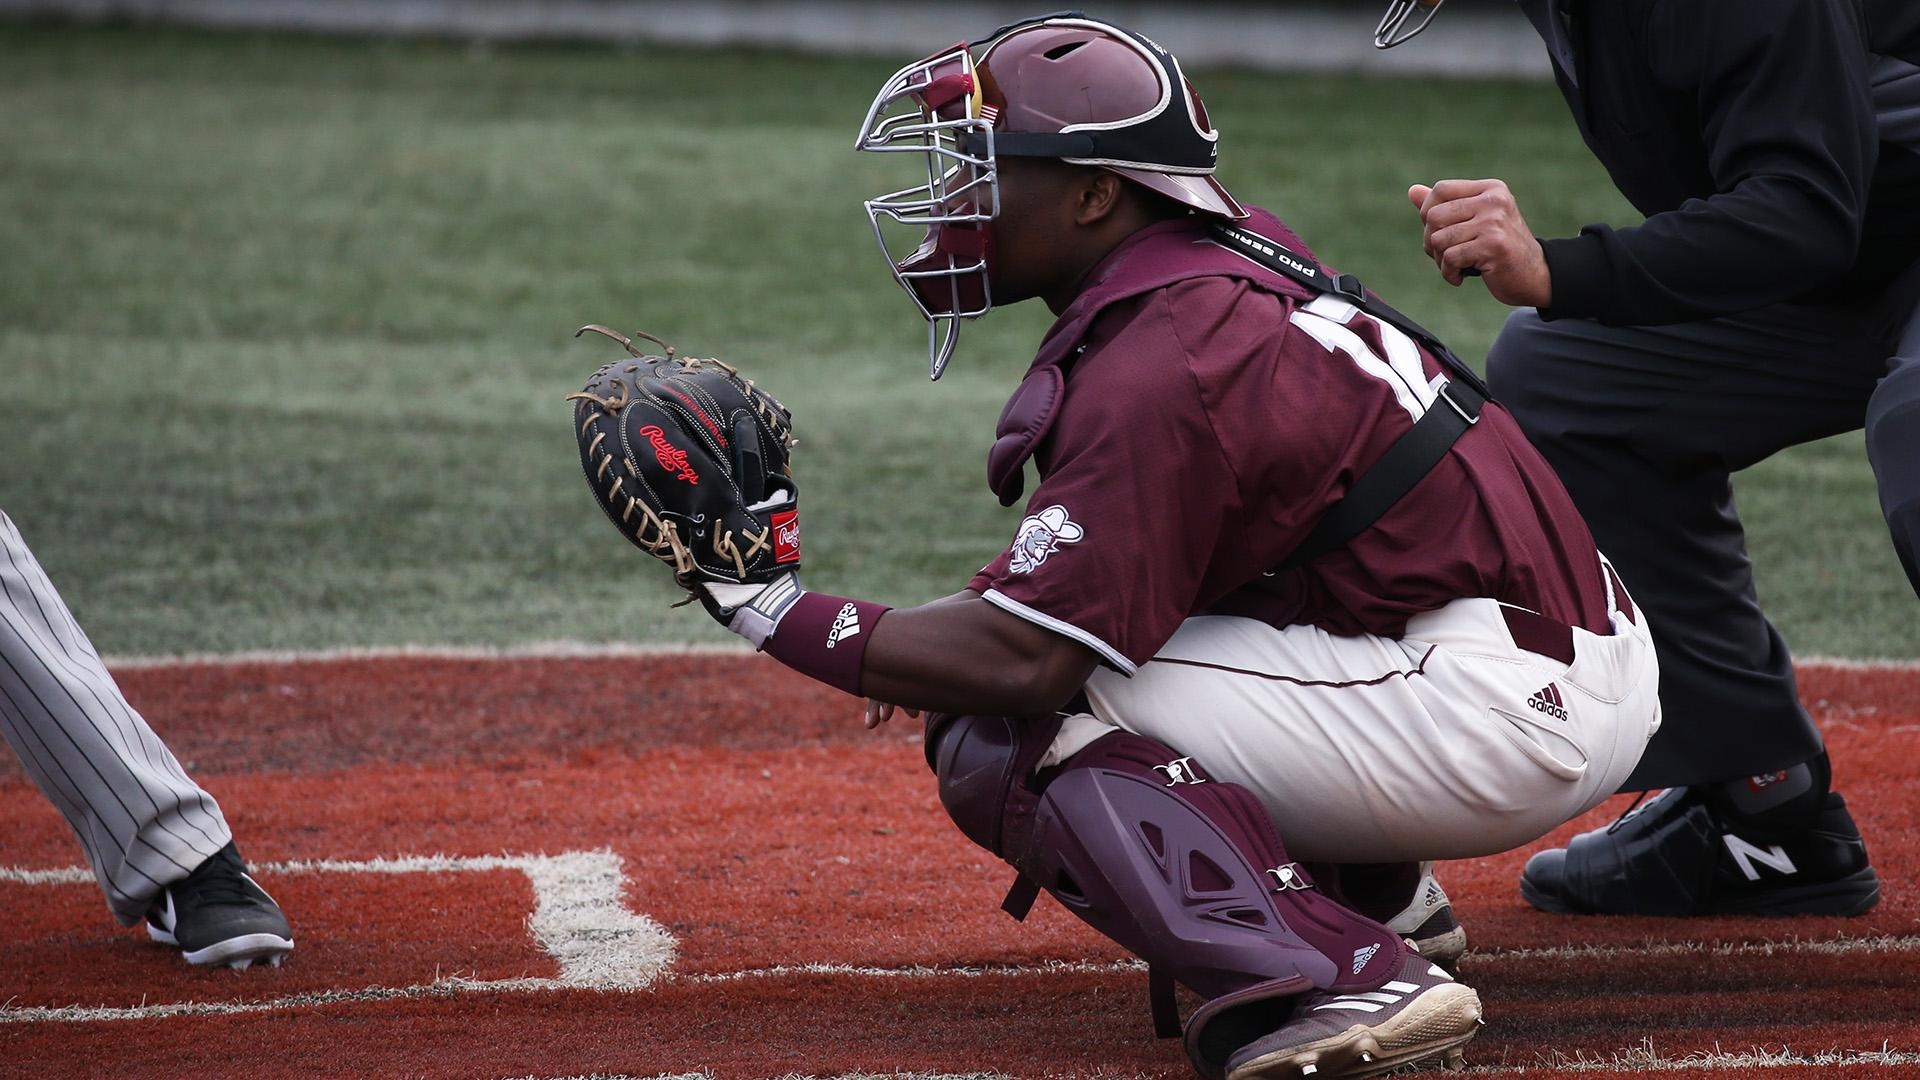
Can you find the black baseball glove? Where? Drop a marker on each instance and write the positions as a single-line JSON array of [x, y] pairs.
[[690, 462]]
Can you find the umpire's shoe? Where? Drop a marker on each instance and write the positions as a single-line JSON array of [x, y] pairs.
[[1420, 1013], [1678, 856], [218, 915]]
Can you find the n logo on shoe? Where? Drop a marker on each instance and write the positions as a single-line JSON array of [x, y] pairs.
[[1745, 854]]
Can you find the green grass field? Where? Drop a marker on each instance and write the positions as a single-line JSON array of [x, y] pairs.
[[284, 325]]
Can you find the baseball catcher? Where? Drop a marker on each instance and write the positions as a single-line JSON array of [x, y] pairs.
[[1294, 608]]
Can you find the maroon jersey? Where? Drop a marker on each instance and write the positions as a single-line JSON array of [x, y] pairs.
[[1207, 424]]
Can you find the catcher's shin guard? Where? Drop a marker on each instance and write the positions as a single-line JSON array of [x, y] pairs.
[[1184, 871]]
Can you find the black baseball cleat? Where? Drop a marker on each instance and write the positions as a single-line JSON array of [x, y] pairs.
[[1420, 1014], [218, 915], [1678, 856]]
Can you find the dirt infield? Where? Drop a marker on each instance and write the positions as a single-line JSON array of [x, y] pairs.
[[459, 842]]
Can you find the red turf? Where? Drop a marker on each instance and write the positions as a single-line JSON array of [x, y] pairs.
[[764, 829]]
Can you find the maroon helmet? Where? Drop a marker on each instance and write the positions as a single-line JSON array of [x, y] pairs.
[[1080, 90]]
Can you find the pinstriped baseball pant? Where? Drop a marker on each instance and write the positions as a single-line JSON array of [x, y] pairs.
[[143, 823]]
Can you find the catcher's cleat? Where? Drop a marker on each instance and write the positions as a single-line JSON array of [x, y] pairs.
[[1427, 921], [219, 915], [1407, 899], [1420, 1014], [1677, 856]]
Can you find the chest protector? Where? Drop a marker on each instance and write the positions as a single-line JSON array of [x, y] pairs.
[[1156, 257], [1263, 251]]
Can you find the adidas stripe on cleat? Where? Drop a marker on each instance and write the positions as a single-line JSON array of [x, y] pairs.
[[1420, 1014]]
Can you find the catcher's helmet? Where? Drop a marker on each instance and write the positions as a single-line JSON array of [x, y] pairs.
[[1404, 19], [1065, 86]]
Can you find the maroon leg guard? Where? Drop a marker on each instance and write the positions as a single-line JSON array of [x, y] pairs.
[[1185, 871]]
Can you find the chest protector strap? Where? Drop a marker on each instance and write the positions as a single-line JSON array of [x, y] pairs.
[[1414, 454], [1264, 251]]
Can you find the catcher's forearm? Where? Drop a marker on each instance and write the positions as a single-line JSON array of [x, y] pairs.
[[821, 636], [689, 460], [962, 654]]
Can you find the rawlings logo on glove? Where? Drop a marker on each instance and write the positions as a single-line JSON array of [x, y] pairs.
[[670, 457], [690, 462]]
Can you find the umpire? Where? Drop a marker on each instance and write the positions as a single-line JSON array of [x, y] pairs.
[[1768, 299]]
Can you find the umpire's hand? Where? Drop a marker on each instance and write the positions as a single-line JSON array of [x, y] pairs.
[[1474, 229]]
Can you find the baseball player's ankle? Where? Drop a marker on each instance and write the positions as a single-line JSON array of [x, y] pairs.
[[1781, 801], [1378, 891]]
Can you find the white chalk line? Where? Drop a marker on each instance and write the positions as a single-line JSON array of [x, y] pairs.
[[591, 650], [1834, 946], [788, 1076], [600, 945], [539, 650], [578, 919], [1644, 1058], [1639, 1059]]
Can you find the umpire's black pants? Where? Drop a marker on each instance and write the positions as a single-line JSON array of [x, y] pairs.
[[1645, 426]]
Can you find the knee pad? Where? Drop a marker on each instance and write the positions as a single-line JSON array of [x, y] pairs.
[[982, 764]]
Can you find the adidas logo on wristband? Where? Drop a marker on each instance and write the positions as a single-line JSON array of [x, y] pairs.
[[845, 625]]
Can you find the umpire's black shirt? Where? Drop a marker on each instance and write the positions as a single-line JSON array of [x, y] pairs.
[[1774, 146]]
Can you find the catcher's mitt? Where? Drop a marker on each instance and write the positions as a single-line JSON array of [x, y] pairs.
[[690, 462]]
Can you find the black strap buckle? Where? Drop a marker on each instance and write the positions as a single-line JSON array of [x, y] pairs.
[[1349, 286], [1445, 393]]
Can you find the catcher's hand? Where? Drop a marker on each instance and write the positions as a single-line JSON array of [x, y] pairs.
[[690, 461]]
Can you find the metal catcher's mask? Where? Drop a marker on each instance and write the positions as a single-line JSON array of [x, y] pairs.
[[1064, 86]]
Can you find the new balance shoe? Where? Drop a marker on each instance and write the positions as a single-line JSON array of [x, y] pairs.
[[1421, 1013], [1677, 856], [219, 915]]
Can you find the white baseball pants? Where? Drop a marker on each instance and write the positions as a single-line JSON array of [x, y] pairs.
[[1449, 743]]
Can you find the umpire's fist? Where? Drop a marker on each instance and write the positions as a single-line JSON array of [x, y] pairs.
[[1474, 228]]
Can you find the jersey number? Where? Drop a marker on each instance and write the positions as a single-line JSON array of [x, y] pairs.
[[1328, 321]]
